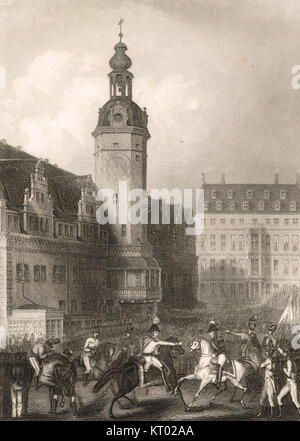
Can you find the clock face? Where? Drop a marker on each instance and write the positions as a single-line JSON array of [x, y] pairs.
[[117, 168], [118, 117]]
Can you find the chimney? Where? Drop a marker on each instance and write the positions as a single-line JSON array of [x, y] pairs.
[[223, 178], [46, 160], [18, 147], [203, 179], [298, 178], [276, 178]]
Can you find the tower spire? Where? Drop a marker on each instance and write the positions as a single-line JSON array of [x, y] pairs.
[[120, 25]]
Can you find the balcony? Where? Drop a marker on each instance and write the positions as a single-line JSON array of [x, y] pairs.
[[133, 295]]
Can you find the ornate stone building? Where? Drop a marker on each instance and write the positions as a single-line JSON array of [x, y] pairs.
[[250, 245], [56, 260]]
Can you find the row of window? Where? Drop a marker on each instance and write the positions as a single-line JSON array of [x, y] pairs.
[[80, 275], [37, 223], [268, 221], [238, 267], [250, 194], [237, 242], [276, 205], [233, 290]]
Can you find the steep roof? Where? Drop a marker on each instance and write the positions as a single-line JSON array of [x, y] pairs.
[[16, 166], [240, 195]]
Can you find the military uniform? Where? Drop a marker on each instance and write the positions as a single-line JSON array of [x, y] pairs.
[[218, 347], [269, 384], [290, 386], [91, 344], [269, 343], [38, 353], [150, 352]]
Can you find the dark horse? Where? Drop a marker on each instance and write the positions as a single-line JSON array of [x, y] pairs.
[[60, 375], [127, 375]]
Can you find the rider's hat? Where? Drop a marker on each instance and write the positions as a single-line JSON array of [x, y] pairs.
[[252, 319], [53, 341], [272, 324], [68, 352], [95, 330], [153, 328], [129, 328], [213, 327]]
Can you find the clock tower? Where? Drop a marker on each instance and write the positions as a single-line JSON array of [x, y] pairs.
[[121, 135], [121, 139]]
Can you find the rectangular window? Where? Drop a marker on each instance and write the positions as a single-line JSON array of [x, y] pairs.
[[138, 158], [249, 194], [232, 262], [254, 241], [212, 267], [286, 221], [267, 241], [295, 221], [42, 198], [213, 242], [241, 242], [241, 290], [60, 229], [254, 266], [268, 266], [222, 266], [202, 242], [66, 230], [276, 267], [295, 267], [276, 242], [232, 221], [19, 272], [285, 267], [223, 242], [123, 230], [202, 266], [233, 242], [115, 145], [295, 243], [59, 274], [37, 195], [39, 273], [232, 290], [285, 243], [241, 221], [267, 288], [268, 221], [242, 266]]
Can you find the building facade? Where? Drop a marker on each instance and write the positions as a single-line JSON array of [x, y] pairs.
[[250, 244], [57, 260]]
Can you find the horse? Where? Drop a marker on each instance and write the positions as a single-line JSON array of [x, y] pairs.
[[127, 375], [102, 357], [60, 375], [206, 373]]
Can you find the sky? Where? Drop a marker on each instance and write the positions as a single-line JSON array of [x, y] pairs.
[[215, 76]]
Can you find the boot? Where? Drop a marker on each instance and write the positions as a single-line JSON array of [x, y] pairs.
[[74, 409], [259, 411], [36, 383], [141, 375], [164, 378], [272, 414], [219, 376], [54, 406], [280, 411], [86, 379]]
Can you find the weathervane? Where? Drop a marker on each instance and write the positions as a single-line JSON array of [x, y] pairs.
[[120, 24]]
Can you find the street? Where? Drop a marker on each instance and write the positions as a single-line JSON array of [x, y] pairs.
[[154, 406]]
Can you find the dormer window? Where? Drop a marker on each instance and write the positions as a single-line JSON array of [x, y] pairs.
[[249, 194], [277, 205], [261, 205], [214, 194], [293, 206], [229, 194], [219, 205], [246, 205], [267, 194], [282, 194], [206, 206], [231, 205]]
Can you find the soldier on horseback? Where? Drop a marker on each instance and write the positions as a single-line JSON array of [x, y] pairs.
[[218, 347], [91, 344], [38, 353], [150, 353]]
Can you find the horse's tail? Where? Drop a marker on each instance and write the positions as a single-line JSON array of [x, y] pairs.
[[105, 379]]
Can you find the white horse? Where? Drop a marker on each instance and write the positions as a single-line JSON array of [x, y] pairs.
[[206, 372]]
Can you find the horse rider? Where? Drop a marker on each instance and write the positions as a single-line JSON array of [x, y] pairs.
[[130, 343], [91, 344], [38, 353], [149, 353], [269, 342], [269, 389], [68, 353], [218, 348], [290, 386], [250, 346]]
